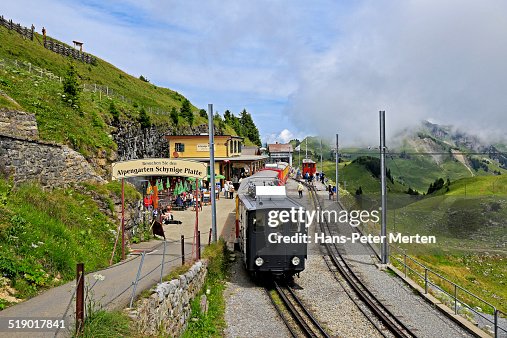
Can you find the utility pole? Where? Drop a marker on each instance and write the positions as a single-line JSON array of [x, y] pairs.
[[299, 156], [321, 164], [212, 173], [383, 231], [306, 153], [336, 173]]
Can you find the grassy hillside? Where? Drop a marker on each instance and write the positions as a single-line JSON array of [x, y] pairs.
[[44, 234], [87, 128], [470, 229]]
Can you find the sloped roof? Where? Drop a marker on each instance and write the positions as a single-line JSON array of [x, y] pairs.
[[250, 150], [280, 148]]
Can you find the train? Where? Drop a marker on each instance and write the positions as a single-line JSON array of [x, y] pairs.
[[281, 168], [263, 233], [309, 166]]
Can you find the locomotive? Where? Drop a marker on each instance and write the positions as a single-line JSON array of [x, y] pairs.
[[309, 167], [270, 244]]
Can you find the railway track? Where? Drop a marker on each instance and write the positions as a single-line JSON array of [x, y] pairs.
[[389, 321], [293, 312]]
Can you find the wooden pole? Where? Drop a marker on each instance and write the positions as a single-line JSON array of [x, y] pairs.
[[79, 298], [123, 219], [196, 229]]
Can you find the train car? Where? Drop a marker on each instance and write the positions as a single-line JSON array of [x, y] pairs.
[[264, 236], [282, 168], [309, 167]]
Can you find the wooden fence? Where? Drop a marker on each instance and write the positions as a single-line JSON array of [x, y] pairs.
[[24, 31], [50, 44]]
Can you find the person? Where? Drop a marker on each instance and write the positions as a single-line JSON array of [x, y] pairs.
[[317, 174], [226, 189], [334, 192], [300, 190], [231, 191], [44, 35], [167, 215], [330, 190], [311, 179], [306, 177], [190, 199], [148, 202], [322, 177], [235, 182], [179, 201]]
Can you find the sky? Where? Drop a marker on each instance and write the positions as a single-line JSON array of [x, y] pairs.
[[305, 67]]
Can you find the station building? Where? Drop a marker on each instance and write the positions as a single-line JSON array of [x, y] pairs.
[[232, 158], [279, 152]]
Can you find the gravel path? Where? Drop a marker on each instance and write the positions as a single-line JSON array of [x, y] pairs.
[[248, 310]]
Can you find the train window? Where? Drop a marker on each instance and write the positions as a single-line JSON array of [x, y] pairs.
[[258, 221]]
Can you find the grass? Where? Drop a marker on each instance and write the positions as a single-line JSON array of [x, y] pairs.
[[211, 324], [470, 231], [107, 325], [43, 234], [89, 132]]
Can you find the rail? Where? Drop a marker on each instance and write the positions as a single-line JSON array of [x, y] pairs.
[[425, 275], [308, 325], [395, 326]]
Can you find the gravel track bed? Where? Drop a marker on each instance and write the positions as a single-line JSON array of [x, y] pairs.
[[324, 296], [248, 309], [423, 318]]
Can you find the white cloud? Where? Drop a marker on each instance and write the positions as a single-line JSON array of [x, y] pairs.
[[414, 59], [323, 67]]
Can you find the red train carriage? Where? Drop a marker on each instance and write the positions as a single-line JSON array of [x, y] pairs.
[[309, 167], [282, 168]]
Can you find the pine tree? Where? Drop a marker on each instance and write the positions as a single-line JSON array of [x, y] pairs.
[[144, 119], [114, 112], [71, 87], [174, 116], [227, 116], [186, 112], [249, 128]]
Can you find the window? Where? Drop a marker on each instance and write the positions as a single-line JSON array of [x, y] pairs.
[[179, 147], [258, 220], [239, 147]]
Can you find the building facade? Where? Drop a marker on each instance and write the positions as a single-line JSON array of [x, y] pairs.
[[229, 158]]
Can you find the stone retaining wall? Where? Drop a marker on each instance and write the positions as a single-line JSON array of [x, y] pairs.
[[52, 165], [168, 308], [23, 157], [18, 124]]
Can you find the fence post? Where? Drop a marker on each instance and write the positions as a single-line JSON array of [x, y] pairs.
[[182, 250], [209, 237], [425, 281], [29, 67], [198, 245], [405, 261], [79, 298], [163, 262], [107, 90], [496, 322], [455, 299], [137, 279]]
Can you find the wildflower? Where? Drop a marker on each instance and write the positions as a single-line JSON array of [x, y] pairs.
[[98, 276], [34, 245]]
